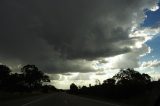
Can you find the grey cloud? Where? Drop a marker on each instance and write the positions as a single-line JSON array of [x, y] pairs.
[[54, 76], [63, 66], [54, 34], [100, 73], [67, 74], [153, 63], [81, 76]]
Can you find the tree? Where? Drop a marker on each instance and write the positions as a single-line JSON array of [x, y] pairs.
[[109, 81], [4, 75], [97, 81], [146, 78], [33, 77], [131, 82], [16, 82], [131, 75], [73, 88]]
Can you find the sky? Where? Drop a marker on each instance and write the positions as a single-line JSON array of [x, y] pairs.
[[81, 41]]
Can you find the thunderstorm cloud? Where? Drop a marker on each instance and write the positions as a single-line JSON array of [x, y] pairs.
[[62, 36]]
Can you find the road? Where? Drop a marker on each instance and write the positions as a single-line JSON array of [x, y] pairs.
[[64, 99]]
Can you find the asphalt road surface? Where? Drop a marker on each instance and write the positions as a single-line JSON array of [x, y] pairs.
[[63, 99]]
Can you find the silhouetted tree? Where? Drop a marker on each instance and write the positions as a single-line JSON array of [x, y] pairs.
[[131, 75], [33, 77], [16, 83], [30, 79], [47, 88], [4, 76], [73, 88], [126, 83], [84, 88], [109, 82], [97, 81], [146, 78], [131, 82]]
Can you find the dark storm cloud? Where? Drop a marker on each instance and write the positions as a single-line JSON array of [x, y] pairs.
[[49, 33]]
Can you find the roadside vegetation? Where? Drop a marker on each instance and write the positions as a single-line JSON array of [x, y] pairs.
[[127, 86], [29, 82]]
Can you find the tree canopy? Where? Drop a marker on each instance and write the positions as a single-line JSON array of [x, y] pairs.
[[34, 77], [131, 75], [30, 78]]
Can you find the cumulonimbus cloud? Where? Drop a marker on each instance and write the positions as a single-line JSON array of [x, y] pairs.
[[66, 35]]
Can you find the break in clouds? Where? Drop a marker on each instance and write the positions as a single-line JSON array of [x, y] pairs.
[[62, 36]]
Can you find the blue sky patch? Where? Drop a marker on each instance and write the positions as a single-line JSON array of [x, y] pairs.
[[153, 17]]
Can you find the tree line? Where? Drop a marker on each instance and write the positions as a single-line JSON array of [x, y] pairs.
[[28, 80], [126, 83]]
